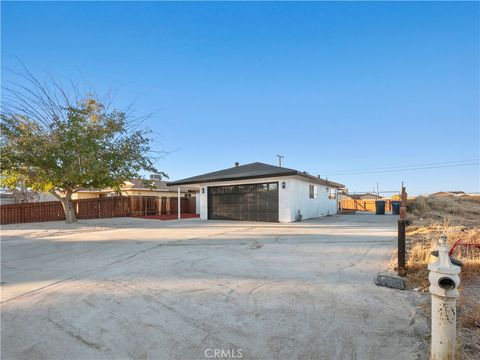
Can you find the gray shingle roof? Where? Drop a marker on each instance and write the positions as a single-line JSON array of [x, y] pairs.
[[250, 171]]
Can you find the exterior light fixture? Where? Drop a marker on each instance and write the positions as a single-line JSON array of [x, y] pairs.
[[203, 190], [283, 185]]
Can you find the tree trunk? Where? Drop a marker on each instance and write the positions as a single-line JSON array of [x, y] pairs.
[[69, 208]]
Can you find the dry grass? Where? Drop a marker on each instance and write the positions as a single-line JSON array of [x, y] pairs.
[[458, 218], [422, 240]]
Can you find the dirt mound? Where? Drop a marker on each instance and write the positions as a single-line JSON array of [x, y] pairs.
[[453, 210]]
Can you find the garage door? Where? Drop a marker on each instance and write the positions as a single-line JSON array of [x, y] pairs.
[[252, 202]]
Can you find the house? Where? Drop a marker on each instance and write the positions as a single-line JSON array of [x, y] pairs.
[[262, 192], [6, 198], [23, 195], [364, 196], [135, 187]]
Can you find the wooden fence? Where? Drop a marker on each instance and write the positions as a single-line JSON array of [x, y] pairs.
[[364, 205], [106, 207]]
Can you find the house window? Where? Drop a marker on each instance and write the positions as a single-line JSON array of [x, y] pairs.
[[332, 194], [313, 191]]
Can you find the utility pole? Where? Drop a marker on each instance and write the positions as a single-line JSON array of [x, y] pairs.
[[280, 157], [377, 190]]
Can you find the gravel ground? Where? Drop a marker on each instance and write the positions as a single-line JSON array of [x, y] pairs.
[[147, 289]]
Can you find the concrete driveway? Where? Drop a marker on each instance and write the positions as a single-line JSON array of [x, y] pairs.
[[145, 289]]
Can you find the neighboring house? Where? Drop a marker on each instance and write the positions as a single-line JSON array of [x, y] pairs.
[[365, 196], [262, 192], [44, 196], [135, 187], [6, 198], [22, 195]]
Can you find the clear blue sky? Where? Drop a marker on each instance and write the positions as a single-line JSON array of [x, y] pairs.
[[335, 87]]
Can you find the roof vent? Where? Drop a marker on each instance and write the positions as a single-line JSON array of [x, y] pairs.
[[318, 176], [237, 163]]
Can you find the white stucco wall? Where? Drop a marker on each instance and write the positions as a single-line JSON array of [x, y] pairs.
[[197, 204], [294, 197]]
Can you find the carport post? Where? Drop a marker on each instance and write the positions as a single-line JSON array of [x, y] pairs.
[[178, 202]]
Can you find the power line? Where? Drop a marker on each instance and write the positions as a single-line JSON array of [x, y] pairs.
[[408, 168]]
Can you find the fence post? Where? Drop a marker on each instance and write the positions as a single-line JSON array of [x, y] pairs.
[[401, 247]]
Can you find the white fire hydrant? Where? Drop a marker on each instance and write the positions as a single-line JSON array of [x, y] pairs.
[[444, 282]]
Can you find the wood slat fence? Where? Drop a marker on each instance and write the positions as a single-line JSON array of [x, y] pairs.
[[107, 207], [364, 205]]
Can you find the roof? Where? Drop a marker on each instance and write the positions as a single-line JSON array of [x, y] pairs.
[[360, 196], [138, 184], [250, 171]]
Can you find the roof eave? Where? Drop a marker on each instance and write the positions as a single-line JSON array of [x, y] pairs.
[[237, 178], [321, 181]]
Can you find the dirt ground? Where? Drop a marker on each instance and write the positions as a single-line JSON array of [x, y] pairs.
[[149, 289]]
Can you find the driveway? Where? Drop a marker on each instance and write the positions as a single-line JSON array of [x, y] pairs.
[[148, 289]]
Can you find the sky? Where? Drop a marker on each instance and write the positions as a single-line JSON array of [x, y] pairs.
[[336, 87]]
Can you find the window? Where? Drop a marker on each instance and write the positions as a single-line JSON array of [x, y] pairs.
[[332, 194], [312, 191]]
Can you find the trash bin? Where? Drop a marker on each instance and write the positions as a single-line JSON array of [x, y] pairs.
[[380, 207], [396, 207]]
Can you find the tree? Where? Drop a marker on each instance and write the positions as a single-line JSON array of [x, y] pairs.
[[52, 143]]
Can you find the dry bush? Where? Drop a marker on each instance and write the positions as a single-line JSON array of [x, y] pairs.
[[434, 209]]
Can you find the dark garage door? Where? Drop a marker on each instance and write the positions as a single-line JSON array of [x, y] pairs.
[[253, 202]]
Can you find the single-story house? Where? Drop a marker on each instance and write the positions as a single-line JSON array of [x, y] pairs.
[[262, 192]]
